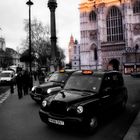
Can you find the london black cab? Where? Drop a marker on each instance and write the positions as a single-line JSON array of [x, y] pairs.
[[84, 99], [55, 82]]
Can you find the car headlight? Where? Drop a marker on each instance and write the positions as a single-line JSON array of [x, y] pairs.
[[80, 109], [33, 88], [49, 91], [44, 103]]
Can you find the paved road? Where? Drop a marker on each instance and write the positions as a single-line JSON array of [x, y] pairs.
[[19, 120]]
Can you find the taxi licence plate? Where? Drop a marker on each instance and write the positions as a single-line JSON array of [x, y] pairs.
[[59, 122]]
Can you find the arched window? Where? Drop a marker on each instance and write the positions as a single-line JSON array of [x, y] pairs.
[[114, 25], [92, 16], [136, 7], [93, 53]]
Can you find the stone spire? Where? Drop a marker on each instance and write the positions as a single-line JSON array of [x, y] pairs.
[[71, 40]]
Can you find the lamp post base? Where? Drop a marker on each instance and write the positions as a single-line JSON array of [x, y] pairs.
[[53, 66]]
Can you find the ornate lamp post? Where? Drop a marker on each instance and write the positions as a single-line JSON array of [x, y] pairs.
[[52, 6], [30, 3]]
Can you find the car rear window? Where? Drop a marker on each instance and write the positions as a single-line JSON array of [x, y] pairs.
[[58, 77]]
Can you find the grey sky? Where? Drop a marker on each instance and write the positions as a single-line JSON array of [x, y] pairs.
[[13, 13]]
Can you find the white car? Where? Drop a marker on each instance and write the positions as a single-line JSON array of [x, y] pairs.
[[7, 77]]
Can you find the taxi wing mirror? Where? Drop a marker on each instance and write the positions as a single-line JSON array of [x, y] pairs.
[[107, 89]]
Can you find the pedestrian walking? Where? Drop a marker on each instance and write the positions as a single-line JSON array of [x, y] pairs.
[[26, 82], [19, 83], [30, 81], [35, 75]]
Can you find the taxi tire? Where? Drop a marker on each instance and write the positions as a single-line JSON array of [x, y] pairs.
[[123, 104], [92, 125]]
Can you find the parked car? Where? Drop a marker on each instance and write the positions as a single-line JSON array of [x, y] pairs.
[[57, 79], [85, 99], [135, 74], [7, 77]]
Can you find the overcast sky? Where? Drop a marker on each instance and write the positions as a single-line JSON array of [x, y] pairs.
[[13, 13]]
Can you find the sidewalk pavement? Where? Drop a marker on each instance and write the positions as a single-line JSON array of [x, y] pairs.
[[134, 130], [7, 93]]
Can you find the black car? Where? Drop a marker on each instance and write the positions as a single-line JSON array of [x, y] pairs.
[[84, 99], [57, 79]]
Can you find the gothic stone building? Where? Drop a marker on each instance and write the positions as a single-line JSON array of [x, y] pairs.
[[74, 53], [8, 56], [110, 34]]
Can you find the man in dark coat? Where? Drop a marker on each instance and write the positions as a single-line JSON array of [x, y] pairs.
[[19, 83], [26, 82]]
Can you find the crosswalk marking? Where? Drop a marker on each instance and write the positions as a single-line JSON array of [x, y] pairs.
[[4, 96]]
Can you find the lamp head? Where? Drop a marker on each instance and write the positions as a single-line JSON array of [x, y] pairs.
[[29, 3]]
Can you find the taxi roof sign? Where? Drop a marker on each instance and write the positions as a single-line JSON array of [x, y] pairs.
[[87, 72]]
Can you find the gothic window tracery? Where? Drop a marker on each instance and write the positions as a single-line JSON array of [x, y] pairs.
[[136, 7], [114, 25], [92, 16], [93, 53]]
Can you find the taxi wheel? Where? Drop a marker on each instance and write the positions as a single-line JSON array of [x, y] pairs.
[[92, 124], [123, 104]]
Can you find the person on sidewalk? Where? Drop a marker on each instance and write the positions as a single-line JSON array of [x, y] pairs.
[[19, 83], [26, 82]]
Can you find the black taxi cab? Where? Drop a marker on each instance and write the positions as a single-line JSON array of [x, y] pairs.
[[84, 98], [56, 80]]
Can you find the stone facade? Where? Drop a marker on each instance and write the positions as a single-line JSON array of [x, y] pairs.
[[6, 60], [110, 34], [74, 54]]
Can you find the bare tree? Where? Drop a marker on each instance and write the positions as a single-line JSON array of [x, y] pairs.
[[40, 43]]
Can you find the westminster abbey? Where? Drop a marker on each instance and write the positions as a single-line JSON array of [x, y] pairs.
[[110, 35]]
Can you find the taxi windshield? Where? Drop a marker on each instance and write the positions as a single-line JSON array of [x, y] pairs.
[[84, 82], [58, 77]]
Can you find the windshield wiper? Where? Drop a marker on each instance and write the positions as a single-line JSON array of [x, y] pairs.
[[81, 90], [72, 89], [88, 90], [55, 81]]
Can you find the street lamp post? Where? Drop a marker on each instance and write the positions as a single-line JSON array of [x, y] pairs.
[[52, 6], [136, 48], [30, 3]]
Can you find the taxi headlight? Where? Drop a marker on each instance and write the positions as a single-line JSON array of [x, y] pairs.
[[33, 88], [80, 109], [49, 91], [44, 103]]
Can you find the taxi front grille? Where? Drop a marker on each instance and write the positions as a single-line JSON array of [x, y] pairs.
[[58, 108], [38, 90]]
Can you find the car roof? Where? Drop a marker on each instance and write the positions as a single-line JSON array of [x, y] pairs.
[[69, 71], [7, 71], [99, 73]]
